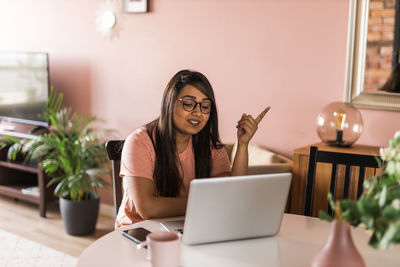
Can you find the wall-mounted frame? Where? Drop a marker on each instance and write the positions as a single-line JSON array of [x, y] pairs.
[[355, 66], [135, 6]]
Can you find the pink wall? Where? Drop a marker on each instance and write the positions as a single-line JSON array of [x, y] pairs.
[[289, 54]]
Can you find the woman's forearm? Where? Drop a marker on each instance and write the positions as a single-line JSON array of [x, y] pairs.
[[148, 204], [240, 164], [159, 207]]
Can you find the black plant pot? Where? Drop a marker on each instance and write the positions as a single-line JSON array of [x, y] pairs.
[[80, 217]]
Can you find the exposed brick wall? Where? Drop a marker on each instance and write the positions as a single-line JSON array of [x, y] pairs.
[[379, 43]]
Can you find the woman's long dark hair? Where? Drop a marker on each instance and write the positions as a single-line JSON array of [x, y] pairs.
[[168, 180]]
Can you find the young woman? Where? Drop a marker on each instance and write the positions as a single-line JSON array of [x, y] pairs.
[[161, 158]]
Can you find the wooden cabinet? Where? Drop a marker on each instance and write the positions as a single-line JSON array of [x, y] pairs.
[[15, 177], [323, 176]]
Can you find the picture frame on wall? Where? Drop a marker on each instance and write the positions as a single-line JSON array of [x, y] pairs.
[[134, 6]]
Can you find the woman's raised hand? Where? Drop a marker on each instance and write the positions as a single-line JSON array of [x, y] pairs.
[[247, 126]]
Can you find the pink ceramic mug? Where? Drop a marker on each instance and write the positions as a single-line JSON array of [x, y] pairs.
[[163, 249]]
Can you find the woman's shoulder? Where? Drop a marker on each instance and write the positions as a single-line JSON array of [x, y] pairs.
[[140, 134]]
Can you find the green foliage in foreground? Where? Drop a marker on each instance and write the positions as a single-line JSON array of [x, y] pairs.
[[378, 209]]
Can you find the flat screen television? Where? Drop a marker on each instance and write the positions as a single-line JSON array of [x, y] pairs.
[[24, 87]]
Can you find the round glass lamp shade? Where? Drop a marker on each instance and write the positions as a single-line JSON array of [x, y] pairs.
[[339, 124]]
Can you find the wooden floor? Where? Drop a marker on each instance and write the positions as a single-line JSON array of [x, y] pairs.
[[23, 219]]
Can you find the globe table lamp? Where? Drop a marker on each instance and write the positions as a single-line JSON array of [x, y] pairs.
[[339, 124]]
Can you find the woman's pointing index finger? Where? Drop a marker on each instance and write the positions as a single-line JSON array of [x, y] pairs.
[[262, 114]]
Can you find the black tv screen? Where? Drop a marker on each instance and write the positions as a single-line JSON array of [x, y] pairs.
[[24, 87]]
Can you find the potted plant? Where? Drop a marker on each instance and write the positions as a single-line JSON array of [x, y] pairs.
[[378, 209], [73, 156], [5, 143]]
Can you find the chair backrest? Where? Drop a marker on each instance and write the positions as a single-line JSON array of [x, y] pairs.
[[114, 149], [336, 158]]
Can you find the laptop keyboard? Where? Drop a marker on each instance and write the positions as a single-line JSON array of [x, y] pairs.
[[174, 226]]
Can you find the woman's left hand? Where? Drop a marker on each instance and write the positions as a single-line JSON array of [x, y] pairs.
[[247, 126]]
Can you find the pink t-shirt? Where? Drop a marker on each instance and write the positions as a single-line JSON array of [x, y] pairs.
[[137, 160]]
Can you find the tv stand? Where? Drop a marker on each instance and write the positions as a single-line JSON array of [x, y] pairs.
[[18, 179], [18, 130]]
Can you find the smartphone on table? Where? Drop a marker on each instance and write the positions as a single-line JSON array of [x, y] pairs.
[[137, 235]]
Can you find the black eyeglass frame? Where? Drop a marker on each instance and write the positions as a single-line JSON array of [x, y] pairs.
[[195, 105]]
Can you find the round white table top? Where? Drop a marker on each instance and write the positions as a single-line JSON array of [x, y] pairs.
[[299, 240]]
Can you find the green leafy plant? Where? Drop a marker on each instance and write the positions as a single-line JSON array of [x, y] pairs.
[[18, 152], [7, 141], [16, 149], [71, 152], [378, 209]]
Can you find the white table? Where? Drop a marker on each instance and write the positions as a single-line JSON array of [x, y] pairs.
[[298, 241]]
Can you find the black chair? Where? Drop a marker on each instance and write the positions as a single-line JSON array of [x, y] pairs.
[[114, 149], [336, 158]]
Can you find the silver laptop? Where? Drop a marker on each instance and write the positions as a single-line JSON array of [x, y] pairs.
[[231, 208]]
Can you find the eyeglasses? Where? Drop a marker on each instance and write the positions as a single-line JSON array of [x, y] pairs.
[[190, 105]]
